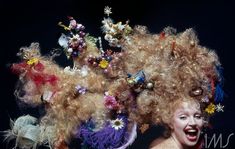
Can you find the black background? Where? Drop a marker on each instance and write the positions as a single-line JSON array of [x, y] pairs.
[[23, 22]]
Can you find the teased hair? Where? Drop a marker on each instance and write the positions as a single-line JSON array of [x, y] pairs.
[[143, 81]]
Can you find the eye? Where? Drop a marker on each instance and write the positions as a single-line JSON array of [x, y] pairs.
[[198, 116], [183, 117]]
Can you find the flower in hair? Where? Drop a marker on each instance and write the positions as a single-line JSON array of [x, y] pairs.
[[73, 43], [114, 32], [74, 25], [210, 108], [80, 89], [117, 124], [103, 63], [107, 10], [219, 108], [110, 102], [32, 61], [205, 99]]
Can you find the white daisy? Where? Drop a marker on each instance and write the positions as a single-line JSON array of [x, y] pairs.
[[219, 108], [117, 124]]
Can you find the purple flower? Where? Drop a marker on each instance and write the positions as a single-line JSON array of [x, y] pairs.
[[80, 89]]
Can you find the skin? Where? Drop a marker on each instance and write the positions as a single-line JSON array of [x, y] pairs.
[[185, 119]]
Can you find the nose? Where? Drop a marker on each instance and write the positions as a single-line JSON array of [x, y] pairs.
[[192, 121]]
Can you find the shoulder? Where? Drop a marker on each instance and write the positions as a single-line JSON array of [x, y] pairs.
[[162, 144], [156, 142]]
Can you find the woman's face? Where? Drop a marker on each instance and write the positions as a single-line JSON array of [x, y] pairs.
[[187, 123]]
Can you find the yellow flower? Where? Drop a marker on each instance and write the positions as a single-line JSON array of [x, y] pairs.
[[103, 63], [210, 108], [32, 61]]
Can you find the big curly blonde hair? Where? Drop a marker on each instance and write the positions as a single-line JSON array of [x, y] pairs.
[[174, 65]]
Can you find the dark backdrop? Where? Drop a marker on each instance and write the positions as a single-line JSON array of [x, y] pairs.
[[25, 21]]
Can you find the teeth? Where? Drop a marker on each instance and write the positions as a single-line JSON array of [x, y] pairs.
[[191, 130]]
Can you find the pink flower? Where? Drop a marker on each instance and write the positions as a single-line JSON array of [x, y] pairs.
[[110, 102]]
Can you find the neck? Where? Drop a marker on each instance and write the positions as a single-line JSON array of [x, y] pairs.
[[177, 143]]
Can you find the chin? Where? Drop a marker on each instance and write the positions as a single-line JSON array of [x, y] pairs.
[[190, 144]]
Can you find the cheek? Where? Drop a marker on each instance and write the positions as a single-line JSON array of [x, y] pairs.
[[179, 124], [200, 123]]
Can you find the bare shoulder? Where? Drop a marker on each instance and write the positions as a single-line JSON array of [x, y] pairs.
[[156, 142], [162, 144]]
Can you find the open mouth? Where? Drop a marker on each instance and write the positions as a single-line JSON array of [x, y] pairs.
[[191, 134]]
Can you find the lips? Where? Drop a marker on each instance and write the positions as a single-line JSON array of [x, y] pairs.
[[191, 134]]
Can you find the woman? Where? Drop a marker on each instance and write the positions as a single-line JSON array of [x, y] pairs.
[[185, 127]]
